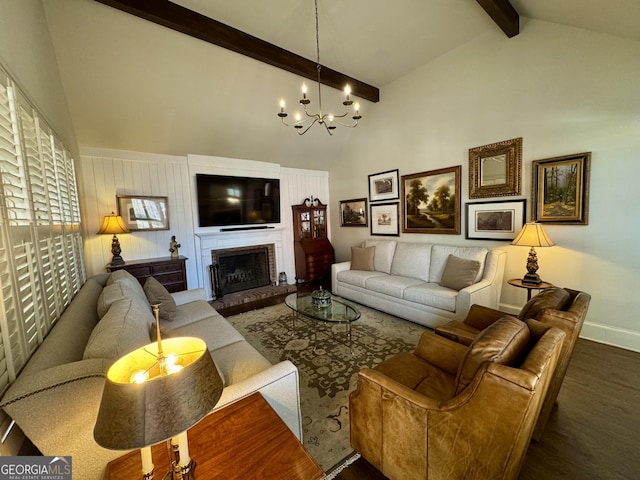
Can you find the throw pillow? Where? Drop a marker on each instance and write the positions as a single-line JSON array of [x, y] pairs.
[[553, 297], [459, 273], [156, 293], [362, 258]]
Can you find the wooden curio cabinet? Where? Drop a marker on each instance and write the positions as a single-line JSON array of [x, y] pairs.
[[313, 252]]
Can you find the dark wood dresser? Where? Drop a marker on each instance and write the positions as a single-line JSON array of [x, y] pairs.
[[170, 272]]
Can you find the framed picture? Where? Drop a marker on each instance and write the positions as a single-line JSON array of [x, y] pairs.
[[495, 169], [142, 213], [495, 220], [561, 189], [385, 219], [431, 201], [353, 213], [384, 186]]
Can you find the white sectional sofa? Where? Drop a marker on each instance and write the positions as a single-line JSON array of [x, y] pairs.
[[405, 280], [56, 397]]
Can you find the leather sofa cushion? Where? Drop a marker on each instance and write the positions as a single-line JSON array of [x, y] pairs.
[[412, 260], [503, 342], [383, 258], [459, 272], [553, 297], [362, 258]]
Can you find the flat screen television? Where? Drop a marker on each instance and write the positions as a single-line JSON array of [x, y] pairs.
[[225, 200]]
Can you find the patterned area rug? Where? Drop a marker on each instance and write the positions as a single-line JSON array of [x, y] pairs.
[[328, 374]]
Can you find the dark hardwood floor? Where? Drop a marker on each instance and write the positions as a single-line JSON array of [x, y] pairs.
[[594, 431]]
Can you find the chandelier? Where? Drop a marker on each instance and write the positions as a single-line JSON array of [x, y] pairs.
[[329, 120]]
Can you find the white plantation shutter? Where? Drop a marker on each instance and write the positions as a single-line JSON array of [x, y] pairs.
[[41, 255]]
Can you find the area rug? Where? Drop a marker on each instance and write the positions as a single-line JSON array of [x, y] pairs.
[[328, 374]]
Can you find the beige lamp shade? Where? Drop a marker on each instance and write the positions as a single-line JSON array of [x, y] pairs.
[[113, 224], [179, 385], [533, 235]]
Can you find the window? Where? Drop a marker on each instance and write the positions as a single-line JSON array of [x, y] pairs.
[[41, 257]]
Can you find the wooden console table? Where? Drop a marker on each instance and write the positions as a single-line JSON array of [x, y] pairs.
[[170, 272], [246, 439]]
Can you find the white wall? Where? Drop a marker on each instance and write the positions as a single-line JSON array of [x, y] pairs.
[[564, 90], [107, 173]]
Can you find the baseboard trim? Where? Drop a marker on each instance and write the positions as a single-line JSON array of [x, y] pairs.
[[616, 337]]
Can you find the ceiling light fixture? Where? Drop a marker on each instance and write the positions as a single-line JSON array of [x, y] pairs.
[[329, 120]]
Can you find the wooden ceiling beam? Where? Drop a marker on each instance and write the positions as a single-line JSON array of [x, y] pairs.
[[503, 14], [181, 19]]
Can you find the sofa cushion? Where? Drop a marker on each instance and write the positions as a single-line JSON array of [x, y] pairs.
[[393, 285], [215, 331], [358, 278], [432, 295], [412, 260], [503, 342], [130, 284], [553, 297], [109, 294], [383, 258], [362, 258], [440, 255], [124, 328], [459, 272], [157, 294]]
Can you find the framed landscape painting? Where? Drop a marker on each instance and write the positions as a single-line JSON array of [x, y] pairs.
[[431, 201], [561, 189], [384, 186], [495, 220], [353, 213], [385, 219]]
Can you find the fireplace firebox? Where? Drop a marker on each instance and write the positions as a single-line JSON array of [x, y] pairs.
[[243, 268]]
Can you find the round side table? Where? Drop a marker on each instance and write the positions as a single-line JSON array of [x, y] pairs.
[[517, 282]]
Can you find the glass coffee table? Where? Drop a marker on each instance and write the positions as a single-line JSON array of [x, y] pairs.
[[338, 312]]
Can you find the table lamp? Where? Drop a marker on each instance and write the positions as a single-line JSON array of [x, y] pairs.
[[113, 224], [532, 235], [156, 393]]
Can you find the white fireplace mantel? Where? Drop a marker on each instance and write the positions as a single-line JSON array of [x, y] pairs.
[[205, 242]]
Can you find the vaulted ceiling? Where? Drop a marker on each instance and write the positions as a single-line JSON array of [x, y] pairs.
[[135, 85]]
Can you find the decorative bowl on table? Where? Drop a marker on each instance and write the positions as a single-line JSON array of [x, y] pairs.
[[320, 298]]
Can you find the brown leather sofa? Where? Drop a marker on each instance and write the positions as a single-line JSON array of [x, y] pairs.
[[563, 308], [454, 411]]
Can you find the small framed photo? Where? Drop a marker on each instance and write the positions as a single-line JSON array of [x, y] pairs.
[[384, 186], [353, 213], [561, 189], [495, 220], [431, 201], [385, 219], [143, 213], [495, 169]]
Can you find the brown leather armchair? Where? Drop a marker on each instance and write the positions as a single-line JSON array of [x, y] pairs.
[[451, 411], [563, 308]]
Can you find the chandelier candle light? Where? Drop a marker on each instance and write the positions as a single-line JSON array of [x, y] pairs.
[[329, 120]]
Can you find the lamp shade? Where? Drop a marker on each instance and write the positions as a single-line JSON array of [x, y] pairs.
[[180, 386], [533, 235], [113, 224]]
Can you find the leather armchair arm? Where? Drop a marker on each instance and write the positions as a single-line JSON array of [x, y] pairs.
[[440, 351]]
